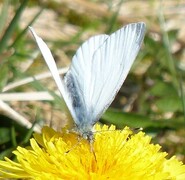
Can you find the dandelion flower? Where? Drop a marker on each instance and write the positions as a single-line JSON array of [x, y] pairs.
[[116, 155]]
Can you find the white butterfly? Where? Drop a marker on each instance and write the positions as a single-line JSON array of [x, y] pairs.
[[96, 74]]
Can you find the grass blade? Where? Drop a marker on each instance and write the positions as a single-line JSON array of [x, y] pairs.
[[18, 38], [3, 16], [11, 27]]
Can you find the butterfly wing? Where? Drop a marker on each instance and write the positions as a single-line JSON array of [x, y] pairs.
[[96, 76]]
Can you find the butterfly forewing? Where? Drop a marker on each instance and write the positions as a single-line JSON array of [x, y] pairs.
[[117, 56]]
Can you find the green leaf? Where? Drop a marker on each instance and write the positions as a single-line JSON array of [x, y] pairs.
[[4, 135], [6, 153], [163, 89], [121, 119], [167, 98], [169, 104]]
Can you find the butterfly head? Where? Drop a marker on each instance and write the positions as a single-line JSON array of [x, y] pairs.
[[88, 135], [85, 131]]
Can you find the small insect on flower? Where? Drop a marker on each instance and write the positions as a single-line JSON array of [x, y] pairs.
[[97, 71]]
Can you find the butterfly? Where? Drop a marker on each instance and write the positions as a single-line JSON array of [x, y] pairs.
[[96, 74]]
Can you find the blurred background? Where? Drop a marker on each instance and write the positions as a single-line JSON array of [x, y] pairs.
[[152, 97]]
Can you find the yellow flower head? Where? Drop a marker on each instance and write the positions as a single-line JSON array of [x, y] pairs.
[[114, 154]]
